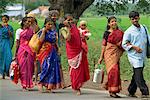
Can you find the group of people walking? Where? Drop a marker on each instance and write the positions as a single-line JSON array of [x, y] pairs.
[[114, 43], [134, 40]]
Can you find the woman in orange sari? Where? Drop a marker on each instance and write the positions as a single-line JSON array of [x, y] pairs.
[[111, 53]]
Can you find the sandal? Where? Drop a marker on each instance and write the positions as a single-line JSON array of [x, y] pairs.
[[3, 77], [114, 95], [66, 86]]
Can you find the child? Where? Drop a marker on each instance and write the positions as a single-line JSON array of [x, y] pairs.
[[84, 33]]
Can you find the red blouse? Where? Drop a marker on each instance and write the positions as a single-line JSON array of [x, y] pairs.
[[114, 37]]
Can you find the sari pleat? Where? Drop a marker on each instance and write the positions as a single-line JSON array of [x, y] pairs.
[[112, 55], [6, 43], [81, 74], [50, 64], [26, 58], [78, 74]]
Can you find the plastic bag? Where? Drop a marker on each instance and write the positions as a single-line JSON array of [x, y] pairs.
[[14, 71]]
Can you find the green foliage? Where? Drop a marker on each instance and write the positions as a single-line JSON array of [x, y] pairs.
[[105, 8], [92, 10], [32, 4], [143, 6], [111, 7], [4, 3], [29, 4], [117, 7], [97, 26]]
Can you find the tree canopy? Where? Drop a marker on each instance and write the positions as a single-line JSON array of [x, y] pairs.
[[143, 6], [74, 7], [77, 7], [4, 3], [105, 7], [117, 7]]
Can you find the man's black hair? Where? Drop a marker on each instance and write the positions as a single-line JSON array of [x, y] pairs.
[[133, 14]]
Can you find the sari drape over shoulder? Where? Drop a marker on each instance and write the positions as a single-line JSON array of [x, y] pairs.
[[49, 60], [112, 54], [26, 58], [77, 59], [6, 43]]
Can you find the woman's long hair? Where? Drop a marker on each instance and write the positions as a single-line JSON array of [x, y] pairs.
[[106, 33], [23, 21], [108, 21], [48, 19]]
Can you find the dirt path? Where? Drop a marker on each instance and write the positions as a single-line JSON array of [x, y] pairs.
[[96, 86]]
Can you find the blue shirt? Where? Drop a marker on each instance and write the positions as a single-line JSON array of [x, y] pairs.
[[137, 37]]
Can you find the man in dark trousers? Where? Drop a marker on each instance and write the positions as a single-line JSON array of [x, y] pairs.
[[135, 43]]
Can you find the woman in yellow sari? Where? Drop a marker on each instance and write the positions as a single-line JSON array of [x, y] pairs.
[[111, 53]]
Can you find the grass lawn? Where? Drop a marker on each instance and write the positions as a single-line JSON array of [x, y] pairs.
[[97, 26]]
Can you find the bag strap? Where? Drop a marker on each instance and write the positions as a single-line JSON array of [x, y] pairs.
[[146, 33], [38, 31], [145, 29]]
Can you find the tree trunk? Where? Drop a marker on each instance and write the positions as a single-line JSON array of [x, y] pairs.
[[74, 7]]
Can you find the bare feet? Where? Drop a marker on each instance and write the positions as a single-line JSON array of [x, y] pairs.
[[24, 89], [105, 86], [78, 92], [40, 88], [62, 85], [48, 91], [35, 83]]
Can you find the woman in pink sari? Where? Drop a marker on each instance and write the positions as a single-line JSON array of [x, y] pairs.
[[111, 53], [24, 54], [77, 58]]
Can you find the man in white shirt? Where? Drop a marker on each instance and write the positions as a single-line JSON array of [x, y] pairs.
[[135, 43]]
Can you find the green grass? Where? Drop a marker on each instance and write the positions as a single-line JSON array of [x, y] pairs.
[[97, 26]]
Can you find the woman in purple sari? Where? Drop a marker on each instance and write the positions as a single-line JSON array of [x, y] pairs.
[[24, 54]]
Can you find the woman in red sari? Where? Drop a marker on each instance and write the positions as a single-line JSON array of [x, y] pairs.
[[77, 58], [111, 53]]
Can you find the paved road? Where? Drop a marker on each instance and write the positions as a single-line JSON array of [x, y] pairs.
[[9, 91]]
